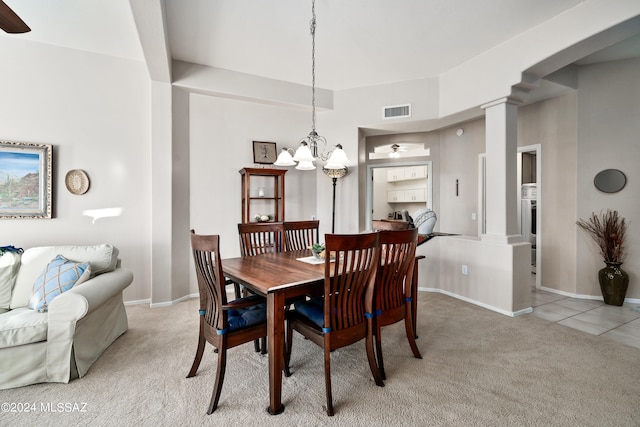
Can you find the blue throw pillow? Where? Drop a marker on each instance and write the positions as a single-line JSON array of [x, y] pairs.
[[58, 276]]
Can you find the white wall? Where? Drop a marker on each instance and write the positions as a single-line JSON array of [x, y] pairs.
[[459, 161], [94, 110], [222, 132]]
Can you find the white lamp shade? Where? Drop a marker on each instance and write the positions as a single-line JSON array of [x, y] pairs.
[[284, 159], [305, 165], [303, 154], [338, 159]]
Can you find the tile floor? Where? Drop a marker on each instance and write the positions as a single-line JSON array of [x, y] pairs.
[[620, 324]]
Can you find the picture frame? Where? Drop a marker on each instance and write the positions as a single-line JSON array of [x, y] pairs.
[[264, 153], [25, 180]]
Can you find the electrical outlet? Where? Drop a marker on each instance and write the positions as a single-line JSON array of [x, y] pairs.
[[465, 269], [473, 216]]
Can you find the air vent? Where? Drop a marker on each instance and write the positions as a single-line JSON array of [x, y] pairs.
[[396, 111]]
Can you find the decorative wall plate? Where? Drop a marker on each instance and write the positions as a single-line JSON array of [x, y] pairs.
[[77, 181]]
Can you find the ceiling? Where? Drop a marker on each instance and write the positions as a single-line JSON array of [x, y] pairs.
[[358, 42]]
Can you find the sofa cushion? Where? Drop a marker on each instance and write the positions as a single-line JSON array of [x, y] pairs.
[[9, 266], [22, 326], [57, 277], [103, 258]]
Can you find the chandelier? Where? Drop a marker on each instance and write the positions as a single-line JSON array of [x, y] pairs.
[[309, 150]]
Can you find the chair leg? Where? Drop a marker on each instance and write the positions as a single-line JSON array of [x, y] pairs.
[[263, 344], [370, 354], [217, 387], [287, 348], [379, 353], [327, 381], [408, 325], [199, 350], [256, 345]]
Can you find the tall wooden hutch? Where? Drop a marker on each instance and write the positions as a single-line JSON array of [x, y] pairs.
[[262, 193]]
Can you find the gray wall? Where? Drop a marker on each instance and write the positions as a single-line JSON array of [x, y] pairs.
[[608, 137], [553, 125]]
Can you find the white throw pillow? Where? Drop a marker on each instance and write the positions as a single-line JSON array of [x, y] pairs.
[[9, 266]]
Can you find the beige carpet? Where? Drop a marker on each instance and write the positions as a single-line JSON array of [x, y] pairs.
[[479, 368]]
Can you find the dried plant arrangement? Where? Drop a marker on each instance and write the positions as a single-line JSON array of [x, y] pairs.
[[608, 230]]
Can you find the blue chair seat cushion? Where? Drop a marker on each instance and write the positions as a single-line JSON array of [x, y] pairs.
[[313, 309], [242, 318]]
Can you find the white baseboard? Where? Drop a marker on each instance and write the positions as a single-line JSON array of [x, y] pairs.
[[481, 304], [582, 296], [137, 302]]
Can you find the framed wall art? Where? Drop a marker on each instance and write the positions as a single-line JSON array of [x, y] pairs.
[[25, 180], [264, 153]]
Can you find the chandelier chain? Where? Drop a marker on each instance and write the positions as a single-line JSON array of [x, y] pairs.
[[313, 65]]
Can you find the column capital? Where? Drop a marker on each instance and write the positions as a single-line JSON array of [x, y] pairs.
[[511, 100]]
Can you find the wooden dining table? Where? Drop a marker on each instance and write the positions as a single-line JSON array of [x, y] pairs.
[[281, 277]]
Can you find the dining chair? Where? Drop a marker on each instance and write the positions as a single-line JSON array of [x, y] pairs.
[[260, 238], [223, 324], [393, 289], [343, 315], [299, 235]]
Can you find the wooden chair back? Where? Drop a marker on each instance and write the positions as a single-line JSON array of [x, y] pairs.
[[388, 224], [299, 235], [393, 278], [261, 237], [349, 281], [211, 280]]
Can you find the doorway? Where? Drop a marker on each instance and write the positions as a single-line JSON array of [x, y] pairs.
[[529, 174], [395, 187]]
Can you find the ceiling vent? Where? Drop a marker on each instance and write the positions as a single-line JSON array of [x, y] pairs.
[[396, 111]]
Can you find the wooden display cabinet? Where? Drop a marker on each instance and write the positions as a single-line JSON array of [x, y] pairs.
[[262, 193]]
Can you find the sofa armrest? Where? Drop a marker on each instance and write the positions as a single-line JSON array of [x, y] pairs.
[[87, 296], [70, 307]]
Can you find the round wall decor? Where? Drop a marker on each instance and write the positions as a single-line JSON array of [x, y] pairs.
[[77, 181], [610, 180]]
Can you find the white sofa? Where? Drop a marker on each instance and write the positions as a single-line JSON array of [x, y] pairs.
[[63, 343]]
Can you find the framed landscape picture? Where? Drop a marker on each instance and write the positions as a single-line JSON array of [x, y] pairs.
[[25, 180]]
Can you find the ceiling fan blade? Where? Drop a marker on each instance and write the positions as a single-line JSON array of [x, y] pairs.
[[396, 147], [10, 22]]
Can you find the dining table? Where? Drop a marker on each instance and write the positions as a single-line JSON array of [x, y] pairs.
[[282, 277]]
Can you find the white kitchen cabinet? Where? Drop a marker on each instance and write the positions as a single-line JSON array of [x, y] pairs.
[[415, 172], [406, 173], [407, 195]]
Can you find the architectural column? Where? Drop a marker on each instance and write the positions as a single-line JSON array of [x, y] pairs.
[[501, 120]]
